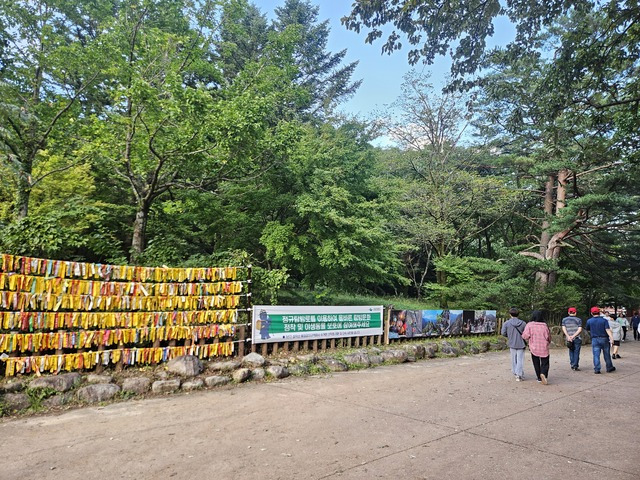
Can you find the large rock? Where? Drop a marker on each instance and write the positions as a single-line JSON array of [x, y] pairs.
[[357, 359], [165, 386], [253, 360], [258, 374], [415, 350], [224, 367], [376, 359], [277, 371], [185, 365], [484, 346], [447, 349], [57, 400], [430, 351], [12, 386], [394, 356], [137, 385], [334, 365], [462, 344], [16, 401], [216, 381], [60, 383], [193, 384], [99, 392], [94, 378], [307, 358], [241, 375]]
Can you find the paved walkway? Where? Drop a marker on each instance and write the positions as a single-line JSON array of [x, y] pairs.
[[462, 418]]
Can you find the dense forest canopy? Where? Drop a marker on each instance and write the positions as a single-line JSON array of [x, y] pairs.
[[200, 132]]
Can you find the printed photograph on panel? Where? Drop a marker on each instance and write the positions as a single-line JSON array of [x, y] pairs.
[[484, 322], [413, 323], [456, 322], [435, 322], [398, 325], [468, 319]]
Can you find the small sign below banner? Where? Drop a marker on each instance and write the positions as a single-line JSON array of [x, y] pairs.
[[293, 323]]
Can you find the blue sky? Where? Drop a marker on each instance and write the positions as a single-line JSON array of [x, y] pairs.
[[382, 75]]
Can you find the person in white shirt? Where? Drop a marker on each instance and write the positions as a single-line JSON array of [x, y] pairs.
[[616, 330]]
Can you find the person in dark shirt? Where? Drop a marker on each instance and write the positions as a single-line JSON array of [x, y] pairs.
[[601, 340], [635, 321]]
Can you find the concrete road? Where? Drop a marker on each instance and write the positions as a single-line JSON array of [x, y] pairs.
[[462, 418]]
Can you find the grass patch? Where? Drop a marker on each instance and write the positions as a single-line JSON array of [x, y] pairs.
[[37, 395]]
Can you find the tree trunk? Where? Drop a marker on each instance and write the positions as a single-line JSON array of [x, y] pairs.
[[138, 243], [22, 196], [542, 278]]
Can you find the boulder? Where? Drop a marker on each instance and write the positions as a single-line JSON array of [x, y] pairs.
[[415, 350], [447, 349], [57, 400], [60, 383], [99, 392], [16, 401], [137, 385], [193, 384], [258, 374], [12, 386], [484, 346], [394, 356], [430, 351], [241, 375], [224, 367], [334, 365], [253, 360], [357, 359], [94, 378], [185, 366], [216, 380], [376, 359], [307, 358], [165, 386], [277, 371], [434, 346], [462, 345]]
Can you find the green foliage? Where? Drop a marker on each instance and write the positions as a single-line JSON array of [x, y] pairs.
[[37, 395]]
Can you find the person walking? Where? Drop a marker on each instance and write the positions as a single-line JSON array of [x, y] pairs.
[[635, 321], [512, 329], [572, 328], [616, 332], [539, 337], [624, 323], [601, 340]]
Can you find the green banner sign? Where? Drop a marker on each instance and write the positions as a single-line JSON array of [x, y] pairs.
[[279, 323]]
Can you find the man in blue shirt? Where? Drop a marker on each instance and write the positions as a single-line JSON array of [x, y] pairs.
[[572, 327], [601, 340]]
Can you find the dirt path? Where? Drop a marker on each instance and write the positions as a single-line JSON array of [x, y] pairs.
[[461, 418]]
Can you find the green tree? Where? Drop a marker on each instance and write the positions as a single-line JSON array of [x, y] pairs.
[[545, 112], [321, 73], [47, 68], [170, 123], [329, 228], [444, 200]]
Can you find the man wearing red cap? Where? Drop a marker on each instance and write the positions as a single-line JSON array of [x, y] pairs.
[[601, 340], [572, 327]]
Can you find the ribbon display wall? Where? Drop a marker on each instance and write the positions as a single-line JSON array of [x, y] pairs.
[[50, 308]]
